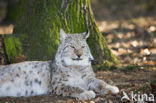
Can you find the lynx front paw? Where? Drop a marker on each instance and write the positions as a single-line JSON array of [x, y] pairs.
[[87, 94], [114, 90]]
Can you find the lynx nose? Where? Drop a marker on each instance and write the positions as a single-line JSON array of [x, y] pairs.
[[78, 55]]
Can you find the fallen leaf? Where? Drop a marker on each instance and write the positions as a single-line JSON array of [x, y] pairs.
[[153, 51], [70, 101], [150, 62], [151, 29], [134, 43], [20, 58], [145, 51]]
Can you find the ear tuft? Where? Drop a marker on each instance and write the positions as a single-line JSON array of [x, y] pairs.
[[85, 34], [63, 35]]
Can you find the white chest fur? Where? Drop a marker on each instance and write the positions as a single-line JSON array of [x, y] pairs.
[[76, 79]]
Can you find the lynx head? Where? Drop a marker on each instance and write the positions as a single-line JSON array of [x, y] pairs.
[[73, 49]]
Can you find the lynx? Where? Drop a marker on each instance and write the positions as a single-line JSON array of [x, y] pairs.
[[70, 73]]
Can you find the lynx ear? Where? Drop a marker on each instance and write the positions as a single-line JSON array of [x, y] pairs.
[[85, 34], [63, 35]]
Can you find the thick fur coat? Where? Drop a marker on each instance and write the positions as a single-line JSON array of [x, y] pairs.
[[70, 74]]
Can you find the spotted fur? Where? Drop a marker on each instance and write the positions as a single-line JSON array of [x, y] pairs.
[[25, 79], [70, 74]]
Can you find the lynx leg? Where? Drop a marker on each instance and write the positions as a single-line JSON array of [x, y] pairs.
[[77, 92], [101, 87]]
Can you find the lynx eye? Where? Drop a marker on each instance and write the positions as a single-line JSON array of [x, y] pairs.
[[72, 47], [83, 47]]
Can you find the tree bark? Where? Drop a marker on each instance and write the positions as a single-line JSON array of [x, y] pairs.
[[38, 29], [12, 10], [2, 55]]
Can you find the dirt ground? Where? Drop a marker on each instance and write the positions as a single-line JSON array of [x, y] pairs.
[[129, 27], [137, 80]]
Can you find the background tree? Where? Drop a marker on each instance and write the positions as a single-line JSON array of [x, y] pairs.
[[38, 24], [12, 10]]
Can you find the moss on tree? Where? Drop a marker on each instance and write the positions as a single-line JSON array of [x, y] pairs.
[[38, 29], [13, 47]]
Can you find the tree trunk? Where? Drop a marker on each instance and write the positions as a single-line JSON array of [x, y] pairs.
[[12, 10], [38, 29], [2, 55]]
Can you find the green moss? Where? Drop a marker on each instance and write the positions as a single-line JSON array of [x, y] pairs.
[[105, 66], [143, 89], [13, 47], [43, 23], [134, 67]]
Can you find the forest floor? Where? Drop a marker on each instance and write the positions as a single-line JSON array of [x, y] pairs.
[[131, 38], [138, 80]]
